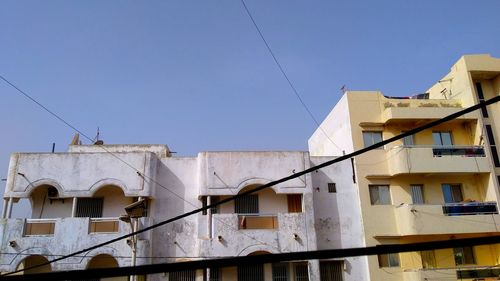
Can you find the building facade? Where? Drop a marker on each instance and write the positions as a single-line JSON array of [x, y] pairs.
[[442, 183], [78, 198]]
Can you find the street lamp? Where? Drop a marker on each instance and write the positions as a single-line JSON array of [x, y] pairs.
[[134, 211]]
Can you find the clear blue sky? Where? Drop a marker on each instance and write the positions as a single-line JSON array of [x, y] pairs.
[[195, 75]]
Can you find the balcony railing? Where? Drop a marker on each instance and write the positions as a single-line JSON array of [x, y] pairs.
[[39, 227], [455, 150], [470, 208], [257, 221], [103, 225]]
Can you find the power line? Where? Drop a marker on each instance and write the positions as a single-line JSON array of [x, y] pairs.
[[259, 259], [276, 182], [120, 159], [285, 75]]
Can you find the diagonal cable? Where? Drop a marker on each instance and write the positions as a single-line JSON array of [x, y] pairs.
[[286, 76]]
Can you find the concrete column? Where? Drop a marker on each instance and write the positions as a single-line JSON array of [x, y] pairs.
[[4, 209], [209, 218], [9, 207], [314, 274], [73, 208]]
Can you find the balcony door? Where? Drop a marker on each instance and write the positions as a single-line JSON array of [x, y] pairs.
[[452, 193], [442, 138]]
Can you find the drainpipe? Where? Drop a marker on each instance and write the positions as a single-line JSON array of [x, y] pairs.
[[9, 207], [4, 210], [73, 208], [209, 217]]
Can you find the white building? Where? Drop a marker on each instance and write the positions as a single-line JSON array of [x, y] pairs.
[[77, 198]]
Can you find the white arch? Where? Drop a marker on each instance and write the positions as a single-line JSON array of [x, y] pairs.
[[256, 248], [36, 184], [255, 181], [107, 182]]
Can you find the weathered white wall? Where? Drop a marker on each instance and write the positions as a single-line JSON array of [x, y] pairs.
[[338, 220], [77, 174], [337, 126]]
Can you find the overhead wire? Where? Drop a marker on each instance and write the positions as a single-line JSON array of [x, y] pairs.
[[292, 176], [255, 259], [280, 67], [145, 176]]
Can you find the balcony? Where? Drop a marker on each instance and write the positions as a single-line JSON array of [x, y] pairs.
[[472, 273], [39, 227], [397, 111], [103, 225], [257, 221], [437, 219], [432, 159], [470, 208], [66, 235]]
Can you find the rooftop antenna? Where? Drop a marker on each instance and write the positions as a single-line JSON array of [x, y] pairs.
[[343, 89], [97, 140]]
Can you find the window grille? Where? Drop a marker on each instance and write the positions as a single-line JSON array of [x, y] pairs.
[[332, 187], [331, 271], [301, 271], [280, 271], [251, 272], [89, 207], [188, 275], [248, 204]]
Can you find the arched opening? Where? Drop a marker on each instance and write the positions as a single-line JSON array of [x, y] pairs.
[[252, 272], [46, 203], [103, 208], [108, 202], [32, 261], [105, 261]]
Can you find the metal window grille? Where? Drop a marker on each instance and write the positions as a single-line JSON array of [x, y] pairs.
[[214, 274], [331, 271], [251, 272], [301, 271], [89, 207], [332, 187], [417, 194], [248, 204], [280, 271], [188, 275]]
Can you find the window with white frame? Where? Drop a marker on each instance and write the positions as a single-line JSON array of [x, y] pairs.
[[380, 195], [408, 140], [372, 137], [442, 138], [388, 260], [417, 193]]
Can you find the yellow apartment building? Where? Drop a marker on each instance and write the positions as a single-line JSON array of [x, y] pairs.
[[442, 183]]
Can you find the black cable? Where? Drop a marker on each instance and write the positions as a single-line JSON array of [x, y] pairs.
[[258, 259], [276, 182], [285, 75]]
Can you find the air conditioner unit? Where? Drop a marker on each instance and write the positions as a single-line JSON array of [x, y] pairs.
[[52, 193]]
